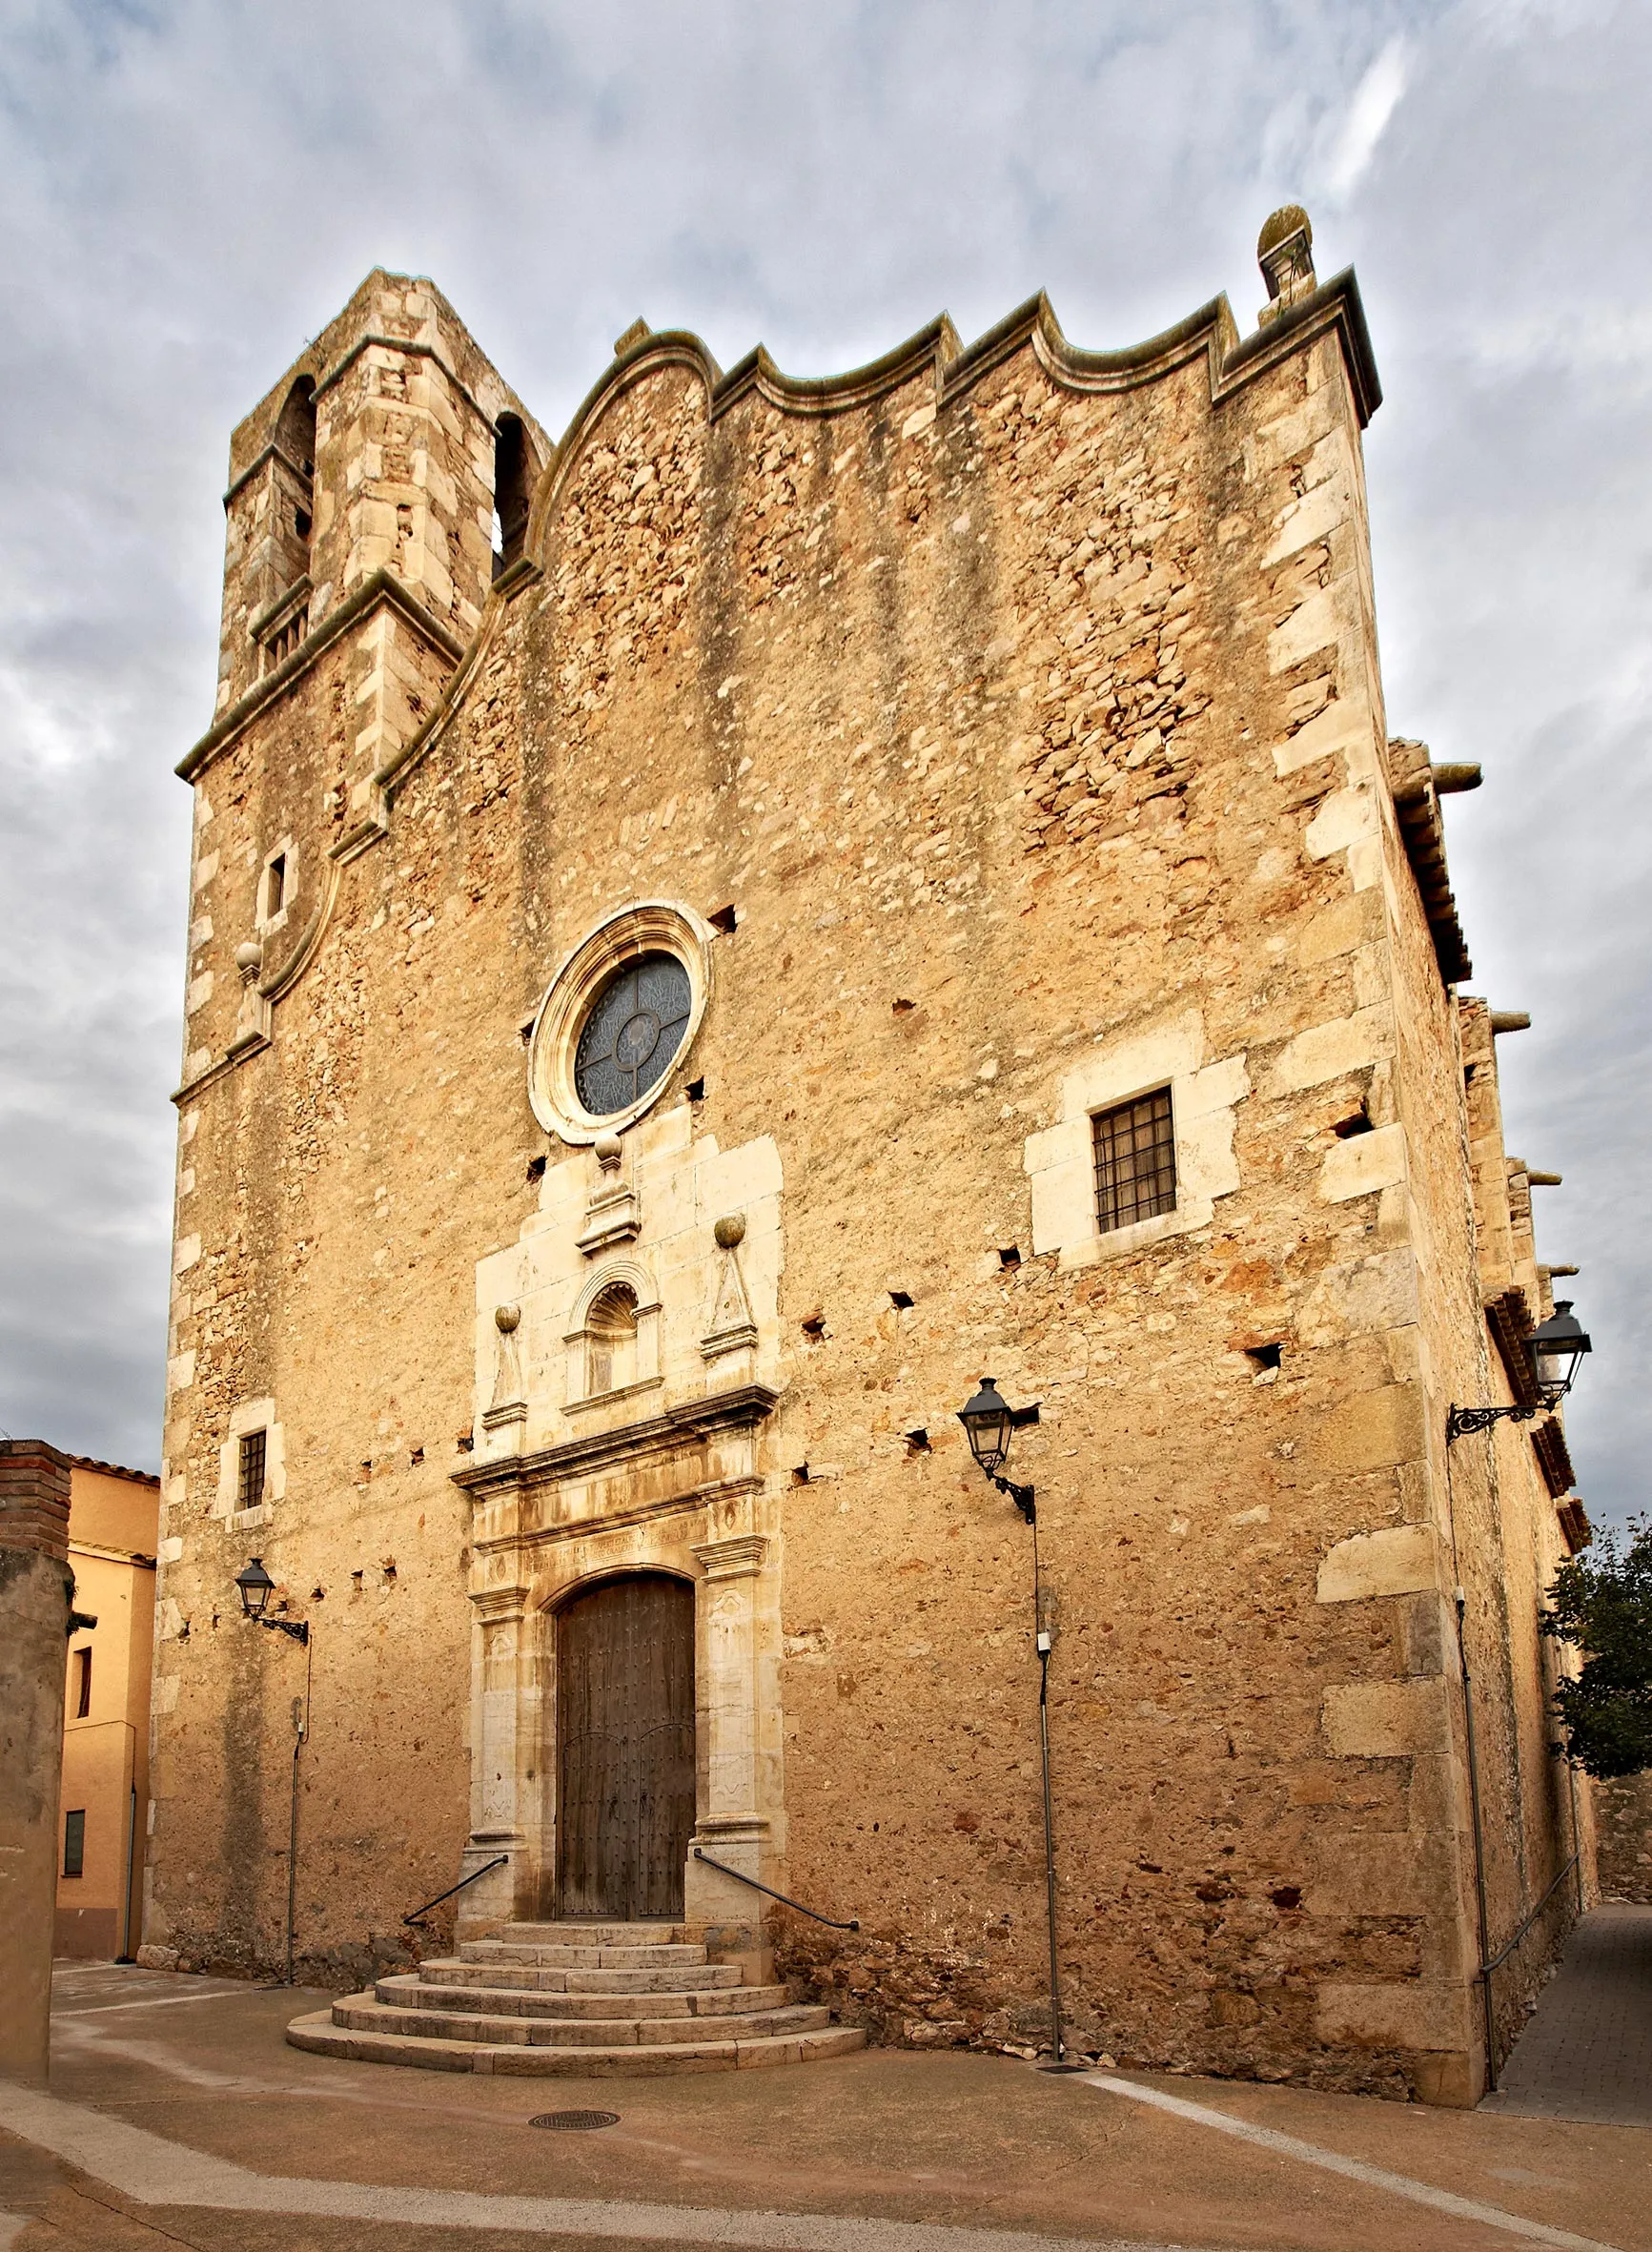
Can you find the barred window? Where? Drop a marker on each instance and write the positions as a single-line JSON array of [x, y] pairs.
[[250, 1485], [1135, 1161]]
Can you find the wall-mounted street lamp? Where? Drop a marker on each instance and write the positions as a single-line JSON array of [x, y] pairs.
[[1556, 1347], [257, 1589], [991, 1421]]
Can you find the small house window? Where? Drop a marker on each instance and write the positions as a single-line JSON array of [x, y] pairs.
[[275, 886], [82, 1684], [250, 1481], [1135, 1161], [74, 1842], [611, 1340]]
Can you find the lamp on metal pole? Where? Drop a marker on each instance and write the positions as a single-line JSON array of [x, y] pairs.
[[257, 1587], [990, 1420]]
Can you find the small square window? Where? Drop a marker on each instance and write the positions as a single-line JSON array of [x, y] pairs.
[[74, 1842], [1135, 1161], [250, 1481]]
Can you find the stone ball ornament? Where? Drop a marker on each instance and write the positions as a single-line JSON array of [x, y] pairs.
[[505, 1319], [730, 1230]]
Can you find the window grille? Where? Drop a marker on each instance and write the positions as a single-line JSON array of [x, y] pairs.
[[1135, 1161], [250, 1488], [74, 1842]]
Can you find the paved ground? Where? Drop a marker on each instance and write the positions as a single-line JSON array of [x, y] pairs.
[[178, 2116], [1586, 2055]]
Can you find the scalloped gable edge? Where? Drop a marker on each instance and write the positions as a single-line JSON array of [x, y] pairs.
[[1333, 308]]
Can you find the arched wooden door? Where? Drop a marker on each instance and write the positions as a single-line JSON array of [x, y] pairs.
[[624, 1747]]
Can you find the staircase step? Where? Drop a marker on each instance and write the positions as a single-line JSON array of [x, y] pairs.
[[567, 1954], [596, 1932], [362, 2014], [321, 2037], [418, 1990]]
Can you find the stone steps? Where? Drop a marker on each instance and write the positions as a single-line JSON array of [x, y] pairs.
[[362, 2013], [575, 1998], [565, 1956], [319, 2034], [418, 1990]]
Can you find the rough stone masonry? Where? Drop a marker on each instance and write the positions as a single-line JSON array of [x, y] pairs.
[[985, 754]]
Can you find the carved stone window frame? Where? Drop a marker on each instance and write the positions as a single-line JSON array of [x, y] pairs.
[[636, 1279], [650, 926]]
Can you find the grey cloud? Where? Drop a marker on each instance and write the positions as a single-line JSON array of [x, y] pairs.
[[193, 187]]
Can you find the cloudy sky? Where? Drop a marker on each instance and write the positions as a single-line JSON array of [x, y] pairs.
[[192, 187]]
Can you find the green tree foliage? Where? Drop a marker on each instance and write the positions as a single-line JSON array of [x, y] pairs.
[[1603, 1606]]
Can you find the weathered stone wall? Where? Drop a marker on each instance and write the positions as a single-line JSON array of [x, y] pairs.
[[1623, 1815], [1024, 708]]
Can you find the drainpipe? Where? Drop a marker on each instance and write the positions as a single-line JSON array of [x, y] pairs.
[[1485, 1982]]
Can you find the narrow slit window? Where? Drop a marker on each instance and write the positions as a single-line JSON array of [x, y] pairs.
[[74, 1842], [82, 1684], [1135, 1161], [250, 1483], [275, 886]]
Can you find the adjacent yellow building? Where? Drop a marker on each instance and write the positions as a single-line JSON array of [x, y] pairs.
[[112, 1550]]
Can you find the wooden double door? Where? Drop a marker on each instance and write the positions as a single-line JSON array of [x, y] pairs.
[[624, 1747]]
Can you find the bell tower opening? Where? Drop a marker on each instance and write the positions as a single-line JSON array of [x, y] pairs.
[[513, 487]]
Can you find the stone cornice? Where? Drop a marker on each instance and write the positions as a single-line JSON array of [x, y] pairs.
[[1509, 1318], [742, 1408], [383, 587], [1554, 1459], [273, 452]]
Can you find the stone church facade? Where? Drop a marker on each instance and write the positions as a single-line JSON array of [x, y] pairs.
[[708, 938]]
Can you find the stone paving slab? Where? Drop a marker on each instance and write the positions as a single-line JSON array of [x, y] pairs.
[[1587, 2053], [883, 2151]]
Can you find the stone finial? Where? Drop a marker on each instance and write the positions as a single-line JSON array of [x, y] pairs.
[[249, 959], [505, 1319], [730, 1230], [1285, 253], [609, 1149], [634, 335]]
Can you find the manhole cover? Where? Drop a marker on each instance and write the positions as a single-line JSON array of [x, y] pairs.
[[575, 2120]]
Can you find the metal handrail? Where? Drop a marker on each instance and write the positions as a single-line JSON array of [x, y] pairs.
[[499, 1860], [1504, 1952], [784, 1898]]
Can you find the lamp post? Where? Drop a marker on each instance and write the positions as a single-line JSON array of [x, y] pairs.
[[990, 1420], [257, 1587], [1556, 1348]]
